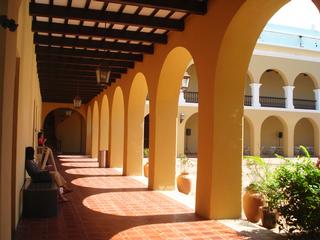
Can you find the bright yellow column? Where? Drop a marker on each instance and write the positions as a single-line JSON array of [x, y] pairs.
[[134, 126], [117, 130], [95, 130], [163, 120], [89, 131]]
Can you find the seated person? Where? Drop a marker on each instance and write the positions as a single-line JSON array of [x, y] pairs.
[[38, 175], [41, 139]]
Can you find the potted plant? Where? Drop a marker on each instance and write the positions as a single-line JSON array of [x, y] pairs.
[[184, 181], [252, 198], [146, 165], [298, 196]]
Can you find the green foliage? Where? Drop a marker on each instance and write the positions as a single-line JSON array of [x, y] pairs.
[[262, 180], [146, 152], [298, 195], [185, 163], [293, 189]]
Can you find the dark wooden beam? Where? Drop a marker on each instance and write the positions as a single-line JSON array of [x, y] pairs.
[[82, 62], [82, 14], [98, 32], [53, 51], [75, 42], [91, 77], [189, 6], [77, 70], [63, 76]]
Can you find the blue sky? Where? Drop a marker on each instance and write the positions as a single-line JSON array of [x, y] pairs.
[[298, 13]]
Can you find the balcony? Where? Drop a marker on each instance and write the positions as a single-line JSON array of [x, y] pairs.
[[304, 104], [191, 97], [277, 102], [247, 100]]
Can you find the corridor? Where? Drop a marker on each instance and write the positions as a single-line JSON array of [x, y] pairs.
[[106, 205]]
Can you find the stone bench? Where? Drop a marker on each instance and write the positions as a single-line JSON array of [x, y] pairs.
[[40, 199]]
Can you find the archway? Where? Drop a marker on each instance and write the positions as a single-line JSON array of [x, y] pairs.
[[135, 126], [272, 137], [146, 132], [247, 91], [117, 130], [239, 39], [65, 131], [164, 113], [304, 135], [104, 124], [191, 135], [247, 137], [95, 130], [303, 95], [89, 131], [271, 90]]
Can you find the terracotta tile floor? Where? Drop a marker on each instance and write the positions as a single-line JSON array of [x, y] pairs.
[[105, 205]]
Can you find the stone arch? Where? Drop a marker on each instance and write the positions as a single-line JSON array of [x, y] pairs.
[[247, 88], [191, 134], [135, 126], [248, 133], [117, 130], [104, 124], [234, 52], [64, 130], [272, 83], [95, 130], [89, 131], [305, 134], [274, 136], [49, 107], [303, 93], [164, 113]]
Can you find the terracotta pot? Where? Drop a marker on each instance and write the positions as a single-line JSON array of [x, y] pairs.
[[251, 202], [184, 183], [146, 170], [269, 217]]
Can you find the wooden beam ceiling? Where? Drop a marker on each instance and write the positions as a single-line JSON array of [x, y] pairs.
[[45, 10], [98, 32], [189, 6], [74, 37], [81, 43]]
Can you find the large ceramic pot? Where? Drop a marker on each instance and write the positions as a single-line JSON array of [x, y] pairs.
[[184, 183], [251, 202], [268, 217], [146, 170]]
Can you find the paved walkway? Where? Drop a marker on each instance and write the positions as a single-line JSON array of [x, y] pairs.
[[105, 205]]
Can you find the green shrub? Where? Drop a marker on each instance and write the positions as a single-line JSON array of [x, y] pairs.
[[146, 152], [298, 196], [185, 163]]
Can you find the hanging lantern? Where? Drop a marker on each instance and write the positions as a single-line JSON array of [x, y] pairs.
[[68, 112], [103, 75], [77, 102], [185, 81]]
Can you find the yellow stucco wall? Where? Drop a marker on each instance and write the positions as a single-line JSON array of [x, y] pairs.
[[228, 45], [71, 133]]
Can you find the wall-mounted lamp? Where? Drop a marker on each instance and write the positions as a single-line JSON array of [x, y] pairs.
[[185, 81], [181, 117], [5, 22]]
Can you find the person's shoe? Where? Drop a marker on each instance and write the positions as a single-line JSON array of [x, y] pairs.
[[67, 190], [63, 199]]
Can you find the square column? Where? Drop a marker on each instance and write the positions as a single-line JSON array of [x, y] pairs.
[[317, 97], [288, 92], [255, 92]]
